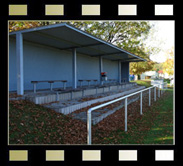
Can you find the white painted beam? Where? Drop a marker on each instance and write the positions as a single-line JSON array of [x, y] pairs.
[[19, 63], [100, 69], [119, 72], [74, 67]]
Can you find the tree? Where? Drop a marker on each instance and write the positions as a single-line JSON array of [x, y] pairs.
[[138, 68], [158, 66], [19, 25], [122, 34], [129, 35], [168, 65]]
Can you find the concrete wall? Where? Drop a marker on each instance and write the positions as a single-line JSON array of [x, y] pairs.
[[46, 63], [125, 71], [111, 67]]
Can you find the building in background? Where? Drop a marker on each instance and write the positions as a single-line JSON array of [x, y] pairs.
[[149, 75]]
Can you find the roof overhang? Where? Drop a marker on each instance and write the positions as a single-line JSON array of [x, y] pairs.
[[65, 37]]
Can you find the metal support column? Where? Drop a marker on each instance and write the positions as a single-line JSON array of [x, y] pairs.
[[19, 61], [154, 93], [100, 69], [140, 103], [149, 97], [126, 113], [158, 90], [119, 72], [74, 67], [89, 127]]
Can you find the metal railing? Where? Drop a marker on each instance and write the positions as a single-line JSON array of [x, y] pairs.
[[89, 116]]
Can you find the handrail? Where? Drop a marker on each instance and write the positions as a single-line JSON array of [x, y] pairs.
[[116, 100]]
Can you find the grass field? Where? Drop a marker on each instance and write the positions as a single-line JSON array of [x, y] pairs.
[[146, 83], [33, 124], [154, 127]]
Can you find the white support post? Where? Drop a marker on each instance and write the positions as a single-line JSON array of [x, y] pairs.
[[19, 61], [89, 127], [64, 85], [140, 103], [149, 97], [74, 67], [119, 72], [57, 97], [159, 91], [154, 93], [83, 93], [35, 87], [51, 86], [126, 112], [100, 69]]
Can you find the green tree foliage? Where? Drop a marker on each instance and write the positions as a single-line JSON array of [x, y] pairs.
[[129, 35], [158, 66], [19, 25], [168, 65]]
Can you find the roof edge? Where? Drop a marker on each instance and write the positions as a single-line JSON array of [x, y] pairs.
[[78, 30]]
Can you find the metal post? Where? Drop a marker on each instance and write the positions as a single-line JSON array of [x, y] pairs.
[[72, 95], [140, 103], [74, 71], [89, 127], [34, 87], [126, 105], [119, 72], [83, 93], [158, 90], [19, 63], [57, 96], [100, 69], [64, 85], [51, 86], [154, 93], [149, 97]]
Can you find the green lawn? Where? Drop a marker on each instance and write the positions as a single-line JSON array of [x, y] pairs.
[[146, 83], [154, 127], [162, 129]]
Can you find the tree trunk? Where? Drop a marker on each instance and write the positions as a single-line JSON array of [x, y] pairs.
[[138, 76]]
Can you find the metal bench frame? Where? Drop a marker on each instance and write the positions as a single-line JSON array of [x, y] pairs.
[[51, 83]]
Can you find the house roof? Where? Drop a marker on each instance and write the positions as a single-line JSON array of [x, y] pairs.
[[160, 71], [65, 37]]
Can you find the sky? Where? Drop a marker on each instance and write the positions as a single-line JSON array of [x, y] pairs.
[[163, 37]]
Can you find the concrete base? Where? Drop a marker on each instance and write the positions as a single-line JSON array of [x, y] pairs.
[[101, 114], [58, 107], [43, 98]]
